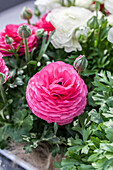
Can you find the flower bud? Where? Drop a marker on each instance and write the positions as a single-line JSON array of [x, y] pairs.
[[24, 31], [37, 12], [82, 34], [93, 23], [80, 63], [26, 13], [8, 40], [39, 33], [97, 5], [2, 78]]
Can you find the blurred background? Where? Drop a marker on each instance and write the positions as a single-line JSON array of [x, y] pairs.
[[10, 11]]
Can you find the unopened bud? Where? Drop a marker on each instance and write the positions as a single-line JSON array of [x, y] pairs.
[[8, 40], [97, 5], [80, 63], [2, 78], [26, 13], [82, 34], [39, 33], [24, 31], [93, 23], [37, 12]]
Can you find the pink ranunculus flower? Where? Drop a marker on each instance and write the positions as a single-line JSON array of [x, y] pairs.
[[3, 68], [56, 93], [11, 31], [46, 25]]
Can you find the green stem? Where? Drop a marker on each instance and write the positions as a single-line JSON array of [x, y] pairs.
[[3, 94], [69, 3], [97, 8], [15, 53], [26, 50], [62, 3], [28, 21], [74, 2], [44, 44], [79, 72]]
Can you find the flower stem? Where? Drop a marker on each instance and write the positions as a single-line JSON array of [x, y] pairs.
[[15, 53], [97, 8], [79, 72], [62, 2], [74, 2], [26, 50], [69, 3], [3, 94], [28, 21]]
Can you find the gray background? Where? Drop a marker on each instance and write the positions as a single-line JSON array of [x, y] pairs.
[[10, 11]]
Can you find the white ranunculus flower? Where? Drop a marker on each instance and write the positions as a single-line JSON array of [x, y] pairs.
[[110, 19], [109, 5], [101, 1], [80, 3], [83, 3], [110, 35], [66, 20], [47, 5]]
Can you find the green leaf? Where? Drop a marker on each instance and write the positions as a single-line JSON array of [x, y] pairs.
[[19, 45], [85, 149], [99, 164], [33, 62], [84, 167], [109, 113], [32, 52], [55, 128], [18, 81], [69, 163], [108, 165], [28, 123], [76, 141], [44, 44], [108, 127], [19, 116], [57, 165], [94, 116], [106, 147], [86, 134], [93, 158]]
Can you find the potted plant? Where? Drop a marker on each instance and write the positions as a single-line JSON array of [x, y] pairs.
[[56, 84]]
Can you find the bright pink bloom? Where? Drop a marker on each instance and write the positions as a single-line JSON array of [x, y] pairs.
[[3, 68], [11, 31], [56, 93], [46, 25]]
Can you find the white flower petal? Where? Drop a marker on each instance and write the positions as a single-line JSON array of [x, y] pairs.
[[83, 3], [66, 20], [47, 5], [109, 5], [110, 35], [110, 19]]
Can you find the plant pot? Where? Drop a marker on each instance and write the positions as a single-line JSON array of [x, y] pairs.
[[9, 161], [39, 159]]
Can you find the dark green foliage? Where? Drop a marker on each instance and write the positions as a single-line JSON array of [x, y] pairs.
[[92, 146]]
